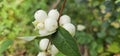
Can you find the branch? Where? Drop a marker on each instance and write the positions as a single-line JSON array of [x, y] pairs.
[[61, 10]]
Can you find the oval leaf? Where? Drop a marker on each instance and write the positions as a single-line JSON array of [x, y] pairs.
[[5, 45], [65, 42], [27, 38]]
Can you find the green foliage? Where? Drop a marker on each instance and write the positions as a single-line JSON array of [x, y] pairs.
[[101, 18], [65, 42], [83, 38], [114, 47], [15, 21], [4, 45], [60, 54]]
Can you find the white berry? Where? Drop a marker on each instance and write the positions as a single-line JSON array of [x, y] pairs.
[[80, 27], [40, 15], [54, 14], [50, 24], [54, 50], [42, 54], [70, 28], [64, 19], [43, 32], [43, 44]]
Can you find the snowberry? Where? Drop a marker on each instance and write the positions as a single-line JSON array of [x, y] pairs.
[[70, 28], [80, 27], [43, 44], [47, 25], [54, 14], [42, 54], [40, 15], [43, 32], [54, 50], [50, 24], [64, 19]]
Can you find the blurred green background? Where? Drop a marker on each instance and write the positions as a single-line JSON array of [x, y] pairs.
[[100, 17]]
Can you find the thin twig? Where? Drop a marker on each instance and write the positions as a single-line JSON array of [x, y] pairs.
[[61, 10]]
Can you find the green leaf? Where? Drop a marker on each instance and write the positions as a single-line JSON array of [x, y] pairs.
[[101, 34], [105, 54], [109, 39], [1, 54], [5, 45], [83, 38], [93, 48], [95, 23], [93, 52], [65, 43], [114, 47], [37, 45], [60, 54], [100, 48]]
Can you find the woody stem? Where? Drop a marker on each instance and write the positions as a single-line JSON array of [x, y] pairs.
[[61, 10]]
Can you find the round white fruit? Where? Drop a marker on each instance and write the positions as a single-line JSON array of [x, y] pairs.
[[64, 19], [42, 54], [40, 15], [70, 28], [43, 44], [80, 27], [54, 14], [50, 24], [54, 50], [43, 32]]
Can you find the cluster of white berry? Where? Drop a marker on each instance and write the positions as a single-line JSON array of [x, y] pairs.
[[65, 22], [47, 25], [47, 48]]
